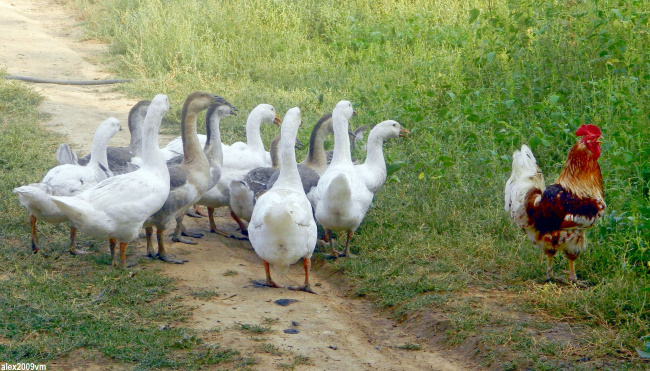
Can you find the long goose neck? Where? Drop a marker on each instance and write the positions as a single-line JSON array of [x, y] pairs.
[[316, 155], [342, 153], [275, 152], [289, 175], [136, 117], [253, 136], [375, 151], [151, 154], [212, 149], [98, 149], [191, 146]]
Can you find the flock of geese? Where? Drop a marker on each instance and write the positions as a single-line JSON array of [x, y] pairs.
[[116, 191]]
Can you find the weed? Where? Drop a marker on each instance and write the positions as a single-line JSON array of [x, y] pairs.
[[409, 346], [269, 348], [206, 294], [253, 329], [270, 321]]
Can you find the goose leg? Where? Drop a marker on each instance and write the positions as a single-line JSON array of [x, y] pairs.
[[269, 280], [32, 223], [214, 229], [73, 248], [112, 242], [196, 212], [162, 255], [347, 245], [240, 223], [306, 262], [213, 225], [328, 237], [122, 255], [150, 252], [180, 231]]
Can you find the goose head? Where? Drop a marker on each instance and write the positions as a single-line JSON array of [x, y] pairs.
[[390, 129], [222, 108], [198, 101], [345, 109], [266, 114], [109, 127], [160, 103]]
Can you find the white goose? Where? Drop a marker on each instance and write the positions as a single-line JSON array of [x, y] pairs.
[[116, 208], [373, 170], [119, 158], [243, 193], [67, 180], [238, 160], [188, 180], [282, 228], [341, 198]]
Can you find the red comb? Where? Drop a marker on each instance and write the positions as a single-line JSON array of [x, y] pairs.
[[589, 129]]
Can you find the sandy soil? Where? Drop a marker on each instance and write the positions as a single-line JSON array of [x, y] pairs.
[[42, 39]]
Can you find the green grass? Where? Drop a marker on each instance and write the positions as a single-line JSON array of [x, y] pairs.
[[472, 81], [54, 303]]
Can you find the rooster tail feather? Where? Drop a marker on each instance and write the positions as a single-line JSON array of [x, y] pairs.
[[526, 175]]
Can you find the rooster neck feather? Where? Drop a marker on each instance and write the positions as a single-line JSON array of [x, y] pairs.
[[581, 173]]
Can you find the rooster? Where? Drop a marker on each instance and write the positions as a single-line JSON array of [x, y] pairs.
[[555, 218]]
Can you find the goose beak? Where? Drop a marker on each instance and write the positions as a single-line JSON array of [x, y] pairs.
[[120, 128], [233, 111], [403, 133], [354, 113], [277, 120]]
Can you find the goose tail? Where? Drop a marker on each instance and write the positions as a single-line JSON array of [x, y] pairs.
[[65, 155]]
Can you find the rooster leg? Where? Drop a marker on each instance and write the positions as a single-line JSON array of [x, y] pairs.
[[112, 243], [269, 280], [306, 262], [549, 263], [571, 258], [162, 255], [32, 223]]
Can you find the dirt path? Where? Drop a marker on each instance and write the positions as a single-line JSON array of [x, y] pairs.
[[41, 39]]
